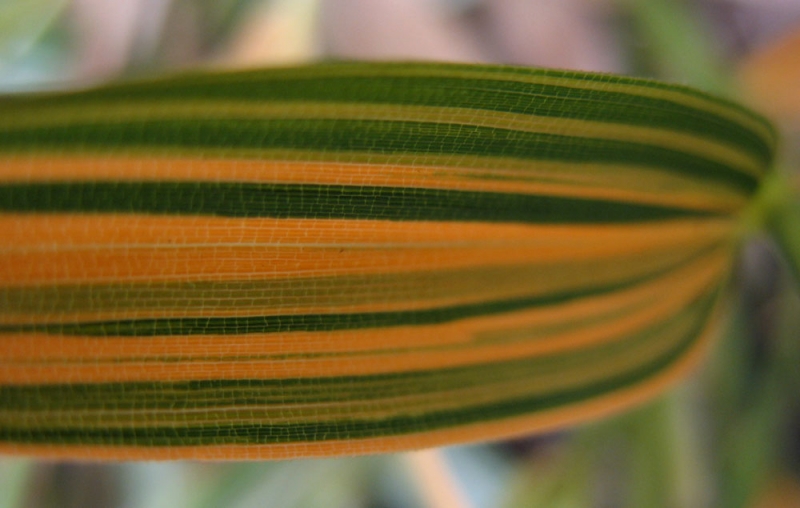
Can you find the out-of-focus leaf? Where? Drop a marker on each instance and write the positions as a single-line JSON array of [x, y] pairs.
[[678, 46], [22, 22]]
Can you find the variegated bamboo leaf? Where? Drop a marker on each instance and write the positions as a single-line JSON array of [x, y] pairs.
[[352, 258]]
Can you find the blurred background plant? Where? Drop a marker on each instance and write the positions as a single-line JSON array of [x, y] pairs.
[[727, 437]]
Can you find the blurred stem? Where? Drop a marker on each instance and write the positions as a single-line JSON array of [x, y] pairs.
[[657, 453], [749, 452], [437, 484], [750, 444], [14, 479]]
